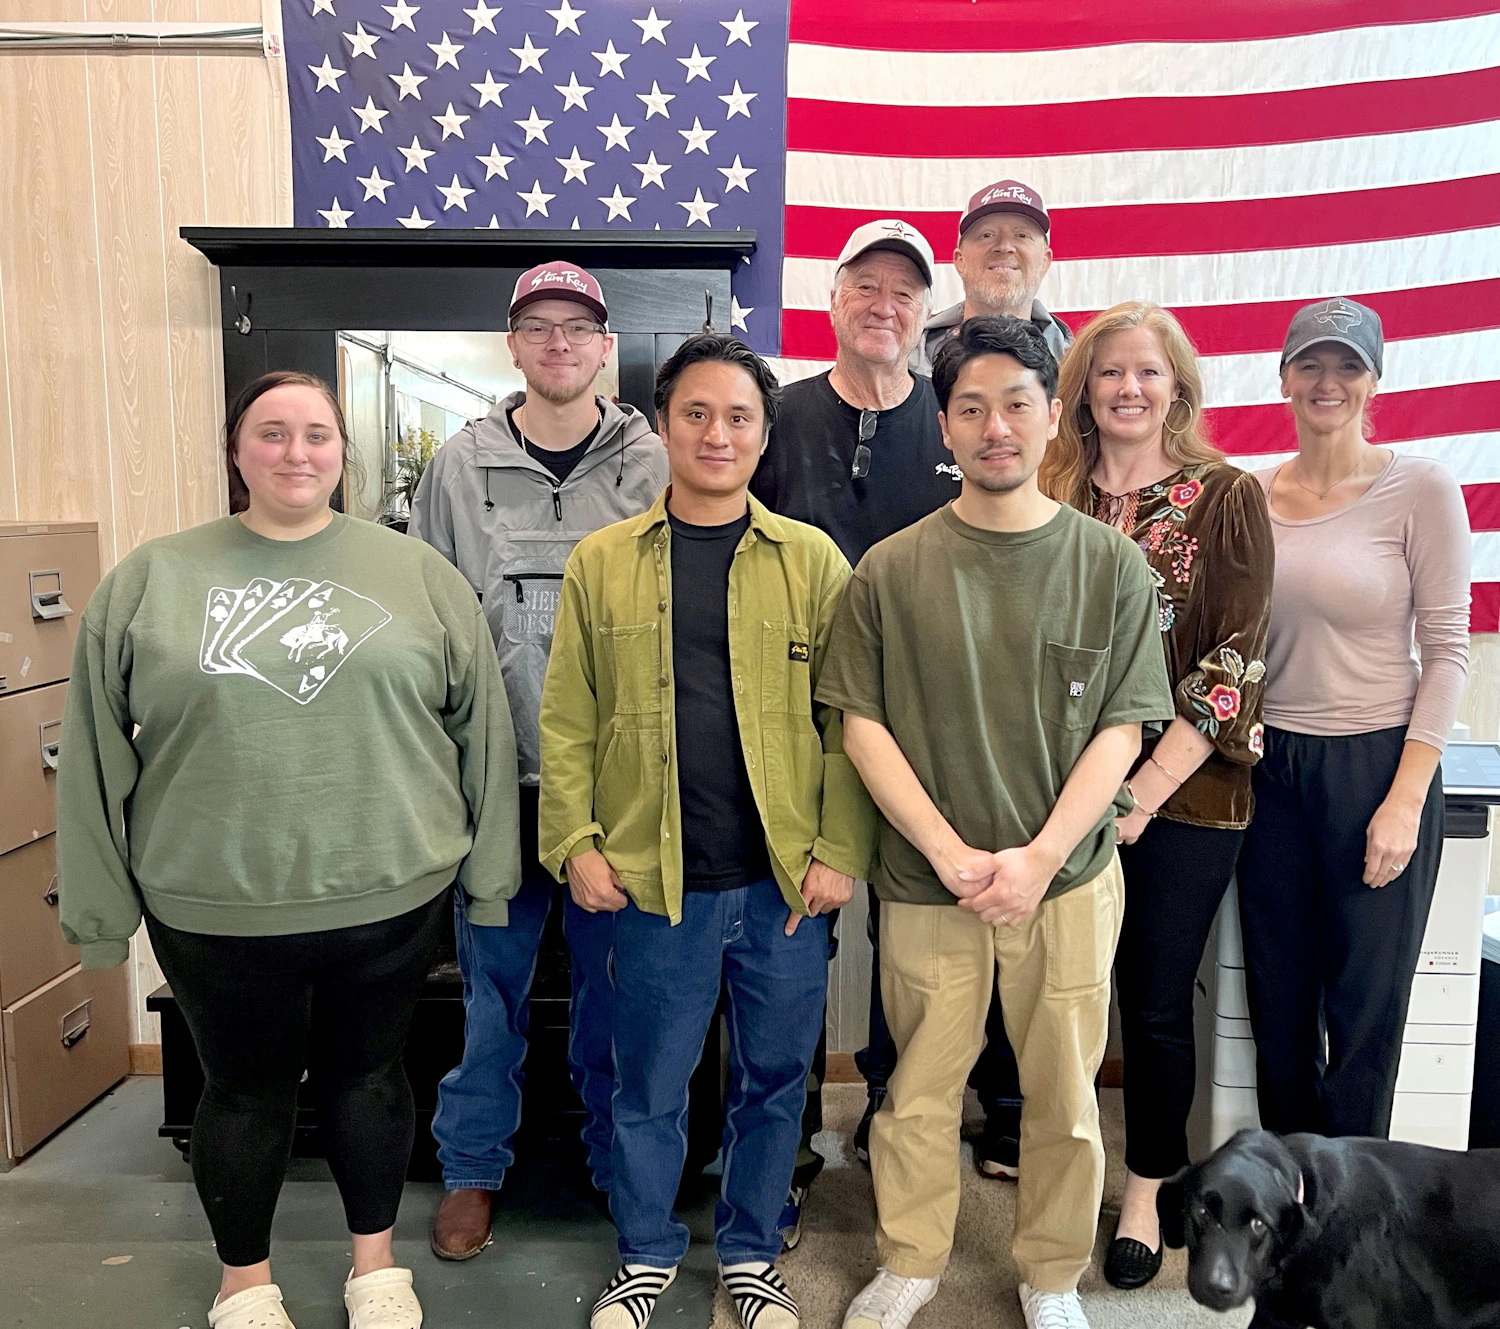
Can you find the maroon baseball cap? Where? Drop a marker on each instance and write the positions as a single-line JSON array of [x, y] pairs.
[[559, 281], [1006, 196]]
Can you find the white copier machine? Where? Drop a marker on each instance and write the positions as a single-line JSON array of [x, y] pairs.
[[1435, 1083]]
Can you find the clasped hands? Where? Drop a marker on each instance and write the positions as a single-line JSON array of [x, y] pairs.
[[1003, 888]]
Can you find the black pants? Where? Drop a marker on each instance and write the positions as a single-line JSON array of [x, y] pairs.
[[1175, 878], [995, 1077], [1323, 951], [264, 1009]]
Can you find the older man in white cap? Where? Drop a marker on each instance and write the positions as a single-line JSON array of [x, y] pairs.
[[858, 452], [1003, 252]]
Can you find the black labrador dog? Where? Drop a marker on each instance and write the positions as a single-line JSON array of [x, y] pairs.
[[1340, 1234]]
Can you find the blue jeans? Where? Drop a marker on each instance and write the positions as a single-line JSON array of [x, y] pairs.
[[479, 1100], [667, 982]]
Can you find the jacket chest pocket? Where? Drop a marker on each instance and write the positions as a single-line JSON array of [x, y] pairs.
[[634, 654], [529, 588], [785, 668], [1072, 691]]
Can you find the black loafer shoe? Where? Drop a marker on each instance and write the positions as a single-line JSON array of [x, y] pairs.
[[1130, 1263]]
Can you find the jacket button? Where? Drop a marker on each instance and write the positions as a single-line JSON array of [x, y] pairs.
[[665, 758], [661, 606]]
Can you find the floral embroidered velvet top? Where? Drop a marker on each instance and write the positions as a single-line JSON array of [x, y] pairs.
[[1206, 534]]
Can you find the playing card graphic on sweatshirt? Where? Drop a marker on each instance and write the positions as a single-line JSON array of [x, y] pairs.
[[293, 634]]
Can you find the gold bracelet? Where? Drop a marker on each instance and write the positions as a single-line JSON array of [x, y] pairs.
[[1174, 779], [1137, 801]]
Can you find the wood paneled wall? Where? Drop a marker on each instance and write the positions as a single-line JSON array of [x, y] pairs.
[[111, 373]]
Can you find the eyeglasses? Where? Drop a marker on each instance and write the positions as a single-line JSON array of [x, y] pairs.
[[538, 331], [867, 422]]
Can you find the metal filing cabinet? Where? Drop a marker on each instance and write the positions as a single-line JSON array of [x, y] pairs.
[[64, 1034]]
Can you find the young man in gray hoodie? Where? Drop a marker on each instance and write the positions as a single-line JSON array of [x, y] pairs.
[[505, 500]]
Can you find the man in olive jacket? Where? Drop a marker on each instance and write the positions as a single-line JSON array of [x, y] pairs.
[[691, 787]]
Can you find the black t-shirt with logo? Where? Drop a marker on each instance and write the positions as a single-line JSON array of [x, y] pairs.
[[806, 472], [723, 841]]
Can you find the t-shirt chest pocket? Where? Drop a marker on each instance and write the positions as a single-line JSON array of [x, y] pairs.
[[785, 668], [1072, 689], [634, 653]]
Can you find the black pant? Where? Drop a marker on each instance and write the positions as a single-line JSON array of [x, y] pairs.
[[1323, 951], [1175, 878], [264, 1009], [995, 1077]]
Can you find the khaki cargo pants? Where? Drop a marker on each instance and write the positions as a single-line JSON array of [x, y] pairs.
[[937, 965]]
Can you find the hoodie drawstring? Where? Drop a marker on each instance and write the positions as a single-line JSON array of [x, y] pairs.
[[489, 503], [620, 479]]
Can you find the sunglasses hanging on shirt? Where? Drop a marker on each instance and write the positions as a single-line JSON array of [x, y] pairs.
[[867, 421]]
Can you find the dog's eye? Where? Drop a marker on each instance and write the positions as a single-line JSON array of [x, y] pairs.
[[1257, 1227]]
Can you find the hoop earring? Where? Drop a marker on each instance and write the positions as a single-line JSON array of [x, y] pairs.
[[1177, 433], [1093, 423]]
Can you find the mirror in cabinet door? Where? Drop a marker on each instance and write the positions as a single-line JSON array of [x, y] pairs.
[[47, 573]]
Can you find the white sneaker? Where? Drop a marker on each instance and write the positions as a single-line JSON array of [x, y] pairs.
[[1052, 1310], [889, 1301]]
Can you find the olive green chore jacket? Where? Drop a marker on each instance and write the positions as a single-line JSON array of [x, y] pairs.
[[609, 741]]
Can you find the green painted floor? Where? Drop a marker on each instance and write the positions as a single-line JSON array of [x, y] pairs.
[[101, 1229]]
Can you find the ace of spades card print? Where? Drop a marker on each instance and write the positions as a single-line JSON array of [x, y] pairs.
[[293, 635]]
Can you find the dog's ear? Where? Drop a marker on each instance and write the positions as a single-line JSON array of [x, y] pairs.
[[1171, 1209]]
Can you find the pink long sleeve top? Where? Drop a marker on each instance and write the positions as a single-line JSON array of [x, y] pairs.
[[1370, 609]]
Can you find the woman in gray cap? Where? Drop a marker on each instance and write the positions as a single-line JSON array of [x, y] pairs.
[[1341, 858]]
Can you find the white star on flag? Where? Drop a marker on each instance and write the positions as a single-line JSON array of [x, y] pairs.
[[362, 42], [697, 137], [416, 222], [536, 200], [652, 171], [375, 187], [738, 313], [446, 52], [739, 28], [652, 27], [452, 122], [408, 82], [333, 146], [494, 223], [530, 56], [696, 64], [454, 195], [401, 13], [574, 167], [698, 209], [370, 116], [736, 176], [322, 7], [489, 91], [738, 102], [567, 18], [618, 205], [336, 216], [534, 126], [483, 16], [656, 100], [615, 134], [573, 92], [416, 156], [495, 163], [328, 76], [610, 60]]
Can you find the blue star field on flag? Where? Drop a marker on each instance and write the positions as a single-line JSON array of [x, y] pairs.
[[666, 115]]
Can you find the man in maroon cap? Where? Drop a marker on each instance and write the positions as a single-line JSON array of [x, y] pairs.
[[505, 500], [1001, 257]]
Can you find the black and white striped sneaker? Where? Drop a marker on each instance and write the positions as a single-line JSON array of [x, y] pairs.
[[761, 1296], [631, 1296]]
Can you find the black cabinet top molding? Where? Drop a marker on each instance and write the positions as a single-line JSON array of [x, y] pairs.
[[289, 246]]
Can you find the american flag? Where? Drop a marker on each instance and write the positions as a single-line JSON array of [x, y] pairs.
[[1231, 160]]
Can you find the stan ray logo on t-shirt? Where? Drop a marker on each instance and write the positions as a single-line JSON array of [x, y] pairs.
[[294, 634]]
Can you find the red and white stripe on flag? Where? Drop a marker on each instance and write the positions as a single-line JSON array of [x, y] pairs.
[[1231, 161]]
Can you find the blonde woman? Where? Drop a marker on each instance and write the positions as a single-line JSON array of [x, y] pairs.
[[1131, 450]]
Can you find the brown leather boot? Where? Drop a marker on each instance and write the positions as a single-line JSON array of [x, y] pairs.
[[462, 1226]]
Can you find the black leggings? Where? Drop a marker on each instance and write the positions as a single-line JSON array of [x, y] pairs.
[[1175, 878], [1323, 951], [264, 1009]]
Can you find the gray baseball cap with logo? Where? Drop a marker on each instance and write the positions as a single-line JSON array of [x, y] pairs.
[[1346, 322]]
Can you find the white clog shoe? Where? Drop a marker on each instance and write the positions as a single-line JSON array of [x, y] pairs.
[[382, 1300]]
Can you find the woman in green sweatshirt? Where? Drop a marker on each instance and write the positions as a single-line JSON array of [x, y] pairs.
[[286, 738]]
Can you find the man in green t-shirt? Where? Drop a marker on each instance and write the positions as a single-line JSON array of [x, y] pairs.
[[995, 663]]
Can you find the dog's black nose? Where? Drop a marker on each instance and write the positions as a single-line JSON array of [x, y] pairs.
[[1222, 1278]]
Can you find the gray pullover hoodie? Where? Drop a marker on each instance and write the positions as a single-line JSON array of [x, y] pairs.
[[505, 522]]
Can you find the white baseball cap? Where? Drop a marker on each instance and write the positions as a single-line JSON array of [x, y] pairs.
[[894, 235]]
